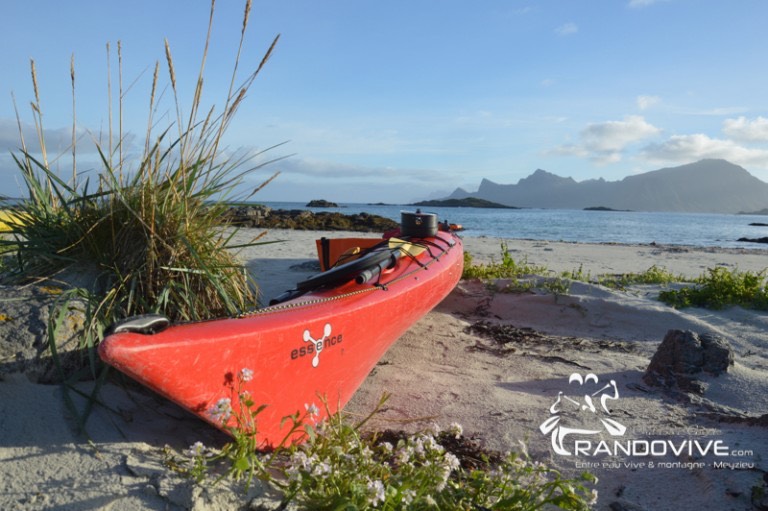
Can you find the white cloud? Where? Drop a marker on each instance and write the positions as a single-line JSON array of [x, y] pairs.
[[645, 102], [688, 148], [330, 170], [606, 142], [567, 29], [718, 112], [743, 129], [615, 136], [58, 141]]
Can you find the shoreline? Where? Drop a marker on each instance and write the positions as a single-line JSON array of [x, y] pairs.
[[448, 368], [274, 261]]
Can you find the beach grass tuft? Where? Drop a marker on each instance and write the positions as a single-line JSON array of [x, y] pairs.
[[140, 234], [144, 234]]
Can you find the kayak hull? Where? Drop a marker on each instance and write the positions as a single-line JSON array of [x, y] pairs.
[[311, 350]]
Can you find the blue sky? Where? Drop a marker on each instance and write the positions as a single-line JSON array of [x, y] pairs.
[[402, 100]]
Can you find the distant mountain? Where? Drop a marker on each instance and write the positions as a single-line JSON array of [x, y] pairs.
[[707, 186]]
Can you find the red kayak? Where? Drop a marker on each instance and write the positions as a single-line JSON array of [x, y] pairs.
[[316, 342]]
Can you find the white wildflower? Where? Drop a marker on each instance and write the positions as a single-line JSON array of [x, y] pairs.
[[451, 462], [222, 410], [321, 468], [312, 410], [195, 450], [418, 445], [294, 474], [366, 452], [300, 460], [456, 430], [433, 446], [376, 492], [403, 455], [246, 374]]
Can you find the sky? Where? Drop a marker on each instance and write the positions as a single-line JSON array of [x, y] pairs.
[[404, 100]]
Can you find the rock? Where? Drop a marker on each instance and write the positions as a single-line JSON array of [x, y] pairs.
[[754, 240], [266, 218], [25, 317], [683, 355], [718, 354], [247, 216], [321, 203]]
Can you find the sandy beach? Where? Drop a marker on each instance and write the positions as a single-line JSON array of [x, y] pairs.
[[679, 450]]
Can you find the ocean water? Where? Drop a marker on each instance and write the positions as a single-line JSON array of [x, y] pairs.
[[696, 229]]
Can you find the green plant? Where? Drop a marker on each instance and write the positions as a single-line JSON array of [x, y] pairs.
[[340, 466], [515, 286], [238, 415], [506, 268], [720, 288], [653, 275], [578, 275], [147, 236], [557, 286]]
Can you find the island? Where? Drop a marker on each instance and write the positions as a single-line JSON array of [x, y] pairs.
[[469, 202], [321, 203], [604, 208]]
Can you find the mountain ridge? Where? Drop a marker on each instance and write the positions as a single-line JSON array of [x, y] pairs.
[[705, 186]]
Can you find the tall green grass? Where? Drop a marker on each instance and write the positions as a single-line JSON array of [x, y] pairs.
[[143, 234]]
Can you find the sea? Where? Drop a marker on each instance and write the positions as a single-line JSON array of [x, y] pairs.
[[633, 227]]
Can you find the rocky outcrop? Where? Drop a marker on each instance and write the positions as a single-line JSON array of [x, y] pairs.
[[268, 218]]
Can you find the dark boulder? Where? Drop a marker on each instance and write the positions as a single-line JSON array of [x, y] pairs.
[[685, 355]]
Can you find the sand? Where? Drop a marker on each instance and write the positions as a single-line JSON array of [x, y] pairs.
[[706, 450]]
